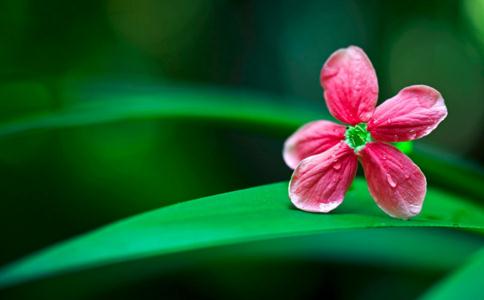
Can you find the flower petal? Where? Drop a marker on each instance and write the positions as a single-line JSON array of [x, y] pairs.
[[312, 138], [350, 85], [320, 182], [395, 182], [413, 113]]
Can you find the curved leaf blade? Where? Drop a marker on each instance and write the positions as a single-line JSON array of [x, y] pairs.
[[466, 283], [254, 214], [392, 248], [208, 105]]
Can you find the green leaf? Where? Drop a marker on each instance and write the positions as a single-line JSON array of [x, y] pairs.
[[426, 249], [465, 283], [259, 213], [233, 107], [403, 248]]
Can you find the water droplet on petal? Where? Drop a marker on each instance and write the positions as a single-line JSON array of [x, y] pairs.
[[337, 166], [365, 115], [326, 207], [330, 72], [414, 208], [391, 182]]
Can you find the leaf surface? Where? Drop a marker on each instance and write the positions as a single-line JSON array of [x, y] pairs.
[[259, 213], [465, 283]]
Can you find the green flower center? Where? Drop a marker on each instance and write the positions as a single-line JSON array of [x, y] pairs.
[[357, 136]]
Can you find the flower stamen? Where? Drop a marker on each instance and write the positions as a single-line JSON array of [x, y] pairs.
[[357, 136]]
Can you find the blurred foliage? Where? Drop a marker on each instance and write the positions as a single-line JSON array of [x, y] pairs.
[[464, 283], [62, 182]]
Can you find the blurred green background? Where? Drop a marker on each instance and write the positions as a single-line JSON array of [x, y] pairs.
[[59, 183]]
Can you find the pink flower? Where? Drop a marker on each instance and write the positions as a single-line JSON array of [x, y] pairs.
[[325, 154]]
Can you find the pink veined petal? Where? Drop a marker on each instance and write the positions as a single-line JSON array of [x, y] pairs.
[[350, 85], [413, 113], [395, 182], [312, 138], [320, 182]]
